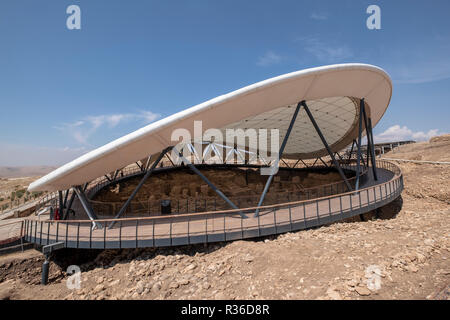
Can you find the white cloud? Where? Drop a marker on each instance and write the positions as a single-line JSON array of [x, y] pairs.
[[269, 58], [399, 133], [149, 116], [81, 130], [325, 52], [319, 16]]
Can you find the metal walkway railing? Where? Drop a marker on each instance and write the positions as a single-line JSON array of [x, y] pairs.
[[205, 204], [220, 225]]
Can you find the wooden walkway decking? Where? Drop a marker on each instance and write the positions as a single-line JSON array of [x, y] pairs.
[[221, 225]]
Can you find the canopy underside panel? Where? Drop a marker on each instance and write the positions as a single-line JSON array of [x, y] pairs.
[[336, 117]]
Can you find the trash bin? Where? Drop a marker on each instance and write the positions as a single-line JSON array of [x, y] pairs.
[[166, 207]]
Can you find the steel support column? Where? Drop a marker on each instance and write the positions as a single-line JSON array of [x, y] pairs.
[[372, 150], [280, 153], [370, 145], [66, 195], [358, 144], [139, 186], [69, 205], [61, 203], [209, 183], [333, 158], [87, 207], [351, 150]]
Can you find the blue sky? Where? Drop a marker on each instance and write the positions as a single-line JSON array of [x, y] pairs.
[[64, 92]]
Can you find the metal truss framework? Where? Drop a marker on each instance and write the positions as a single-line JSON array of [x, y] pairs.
[[283, 145], [65, 204], [370, 144]]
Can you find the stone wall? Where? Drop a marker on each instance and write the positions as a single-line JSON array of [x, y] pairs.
[[189, 193]]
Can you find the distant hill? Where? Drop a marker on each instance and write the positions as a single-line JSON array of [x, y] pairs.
[[436, 149], [29, 171]]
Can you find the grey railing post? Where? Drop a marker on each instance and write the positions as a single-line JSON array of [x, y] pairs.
[[67, 232], [57, 231], [40, 236], [304, 214], [22, 234], [317, 211], [104, 238], [170, 231], [120, 234], [275, 219], [188, 229], [329, 206], [290, 219], [137, 234], [90, 238], [153, 232], [78, 235], [206, 227], [30, 230]]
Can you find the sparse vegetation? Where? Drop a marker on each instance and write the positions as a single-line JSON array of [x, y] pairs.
[[20, 193], [36, 194], [14, 192]]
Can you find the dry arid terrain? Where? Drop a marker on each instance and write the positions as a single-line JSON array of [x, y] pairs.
[[29, 171], [9, 187], [13, 184], [404, 253]]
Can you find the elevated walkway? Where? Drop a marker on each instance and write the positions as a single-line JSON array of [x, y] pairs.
[[224, 225]]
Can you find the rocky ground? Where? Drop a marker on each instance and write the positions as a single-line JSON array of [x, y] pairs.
[[403, 254]]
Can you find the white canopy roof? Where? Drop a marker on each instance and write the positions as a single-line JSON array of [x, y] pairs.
[[332, 94]]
